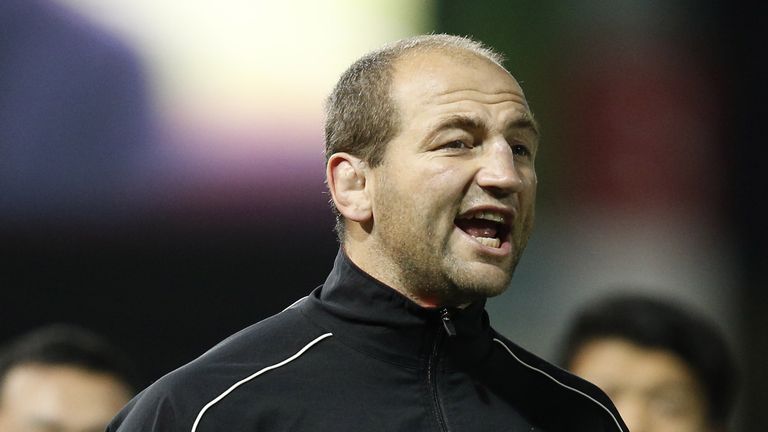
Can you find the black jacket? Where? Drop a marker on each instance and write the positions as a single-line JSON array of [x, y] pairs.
[[355, 355]]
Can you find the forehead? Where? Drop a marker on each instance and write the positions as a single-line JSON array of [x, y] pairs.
[[62, 395], [454, 76], [613, 359]]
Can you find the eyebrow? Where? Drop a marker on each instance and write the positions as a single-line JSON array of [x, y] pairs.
[[461, 121], [44, 423], [526, 121]]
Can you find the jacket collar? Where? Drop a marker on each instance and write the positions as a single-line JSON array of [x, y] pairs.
[[377, 320]]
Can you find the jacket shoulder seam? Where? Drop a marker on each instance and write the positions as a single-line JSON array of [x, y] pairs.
[[560, 383], [234, 386]]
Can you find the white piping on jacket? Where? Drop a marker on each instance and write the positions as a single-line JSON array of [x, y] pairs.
[[618, 425], [245, 380], [295, 303]]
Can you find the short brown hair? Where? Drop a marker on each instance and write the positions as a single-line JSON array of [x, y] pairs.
[[361, 116]]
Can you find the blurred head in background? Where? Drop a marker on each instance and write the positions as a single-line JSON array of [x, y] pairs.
[[62, 378], [665, 368]]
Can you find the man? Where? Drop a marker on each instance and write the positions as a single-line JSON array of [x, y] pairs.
[[664, 367], [61, 378], [430, 147]]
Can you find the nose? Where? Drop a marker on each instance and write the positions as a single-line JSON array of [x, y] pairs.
[[498, 173]]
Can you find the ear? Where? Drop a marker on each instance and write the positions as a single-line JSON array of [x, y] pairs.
[[346, 177]]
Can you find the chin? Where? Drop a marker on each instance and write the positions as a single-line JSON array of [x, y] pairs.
[[490, 285], [487, 291]]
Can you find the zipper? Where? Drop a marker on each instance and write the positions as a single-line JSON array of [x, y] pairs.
[[450, 330], [445, 317]]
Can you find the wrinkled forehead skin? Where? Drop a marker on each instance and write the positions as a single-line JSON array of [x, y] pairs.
[[450, 73]]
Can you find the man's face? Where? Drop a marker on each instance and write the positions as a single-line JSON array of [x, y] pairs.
[[453, 199], [41, 398], [653, 389]]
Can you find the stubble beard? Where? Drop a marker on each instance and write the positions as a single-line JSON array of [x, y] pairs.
[[424, 267]]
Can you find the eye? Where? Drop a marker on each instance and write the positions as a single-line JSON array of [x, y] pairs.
[[521, 150], [672, 404], [456, 144]]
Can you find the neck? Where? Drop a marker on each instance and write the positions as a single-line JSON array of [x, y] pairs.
[[376, 264]]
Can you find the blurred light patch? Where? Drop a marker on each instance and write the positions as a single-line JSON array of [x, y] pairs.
[[241, 77]]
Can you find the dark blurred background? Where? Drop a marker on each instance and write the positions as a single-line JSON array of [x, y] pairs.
[[161, 170]]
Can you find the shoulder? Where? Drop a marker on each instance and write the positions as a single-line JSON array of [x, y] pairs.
[[175, 401], [554, 390]]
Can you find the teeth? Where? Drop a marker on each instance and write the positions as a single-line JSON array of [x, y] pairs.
[[490, 242], [488, 215]]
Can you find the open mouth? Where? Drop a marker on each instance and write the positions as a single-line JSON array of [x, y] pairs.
[[489, 228]]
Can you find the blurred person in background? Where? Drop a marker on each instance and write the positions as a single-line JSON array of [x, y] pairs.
[[62, 378], [430, 148], [75, 122], [666, 368]]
